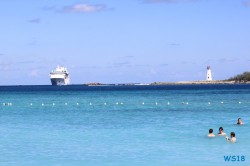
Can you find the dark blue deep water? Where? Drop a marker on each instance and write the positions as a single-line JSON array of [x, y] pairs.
[[123, 125]]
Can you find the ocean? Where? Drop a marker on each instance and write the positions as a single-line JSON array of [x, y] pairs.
[[123, 125]]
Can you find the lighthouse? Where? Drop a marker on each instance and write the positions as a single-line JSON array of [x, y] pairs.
[[209, 74]]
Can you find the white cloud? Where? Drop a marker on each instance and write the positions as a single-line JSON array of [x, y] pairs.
[[153, 71], [83, 8], [35, 20], [34, 73], [174, 44], [168, 1], [5, 66], [227, 60]]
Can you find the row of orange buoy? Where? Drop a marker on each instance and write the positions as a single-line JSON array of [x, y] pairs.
[[117, 103]]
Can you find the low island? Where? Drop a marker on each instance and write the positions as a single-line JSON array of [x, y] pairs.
[[243, 78]]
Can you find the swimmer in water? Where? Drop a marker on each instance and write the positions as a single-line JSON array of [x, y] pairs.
[[240, 121], [211, 134], [221, 132], [233, 138]]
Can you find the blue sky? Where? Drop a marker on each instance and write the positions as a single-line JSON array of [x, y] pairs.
[[119, 41]]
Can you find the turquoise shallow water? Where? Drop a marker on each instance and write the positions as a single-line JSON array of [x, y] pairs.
[[141, 125]]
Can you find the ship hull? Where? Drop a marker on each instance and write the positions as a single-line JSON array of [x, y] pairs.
[[57, 81]]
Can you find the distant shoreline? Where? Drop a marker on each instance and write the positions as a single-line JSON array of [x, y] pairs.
[[199, 82], [170, 83], [221, 82]]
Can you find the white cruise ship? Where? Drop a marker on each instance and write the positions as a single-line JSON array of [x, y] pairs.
[[59, 76]]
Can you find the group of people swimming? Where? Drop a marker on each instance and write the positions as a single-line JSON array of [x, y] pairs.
[[222, 133]]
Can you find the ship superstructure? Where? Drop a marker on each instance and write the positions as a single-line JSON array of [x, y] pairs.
[[59, 76]]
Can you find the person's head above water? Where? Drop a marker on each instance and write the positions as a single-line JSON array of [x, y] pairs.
[[233, 138], [239, 121], [211, 131], [211, 134], [221, 132], [221, 129]]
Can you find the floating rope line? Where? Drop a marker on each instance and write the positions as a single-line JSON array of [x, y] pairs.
[[7, 104], [156, 103]]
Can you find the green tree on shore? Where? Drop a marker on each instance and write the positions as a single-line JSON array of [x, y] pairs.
[[244, 77]]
